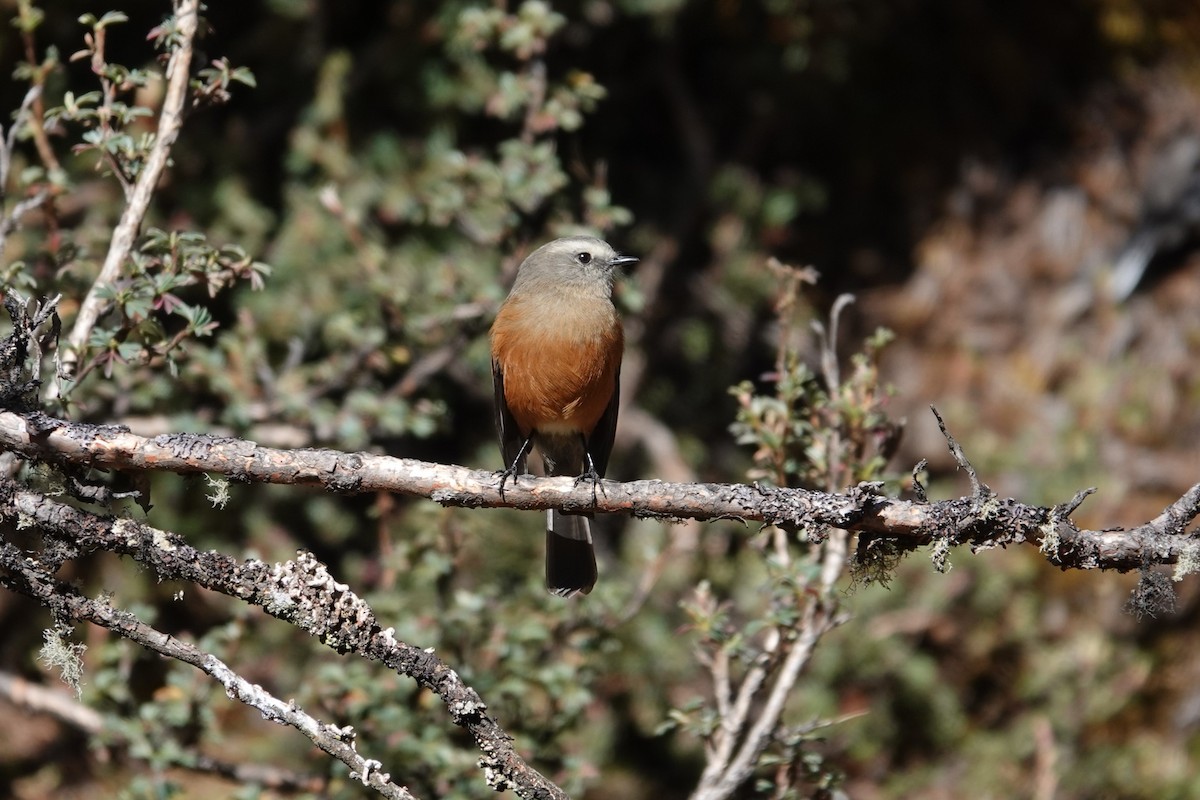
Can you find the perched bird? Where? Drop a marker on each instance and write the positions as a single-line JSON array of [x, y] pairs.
[[556, 359], [1170, 217]]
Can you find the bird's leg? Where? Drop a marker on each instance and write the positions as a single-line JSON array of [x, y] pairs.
[[589, 472], [515, 468]]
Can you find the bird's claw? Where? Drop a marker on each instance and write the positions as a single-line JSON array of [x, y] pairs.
[[504, 476], [592, 476]]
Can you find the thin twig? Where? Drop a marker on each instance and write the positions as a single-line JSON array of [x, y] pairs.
[[828, 343], [10, 140], [734, 722], [978, 490], [11, 221], [40, 139], [108, 90], [170, 122], [742, 766], [918, 487], [1064, 510]]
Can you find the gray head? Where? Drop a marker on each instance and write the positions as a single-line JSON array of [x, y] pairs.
[[582, 263]]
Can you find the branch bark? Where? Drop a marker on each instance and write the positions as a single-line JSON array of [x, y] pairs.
[[301, 592], [25, 576], [981, 520], [304, 593]]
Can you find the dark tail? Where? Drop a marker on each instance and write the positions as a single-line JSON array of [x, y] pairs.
[[570, 559]]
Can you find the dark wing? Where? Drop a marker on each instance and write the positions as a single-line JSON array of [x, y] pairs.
[[506, 425], [600, 443]]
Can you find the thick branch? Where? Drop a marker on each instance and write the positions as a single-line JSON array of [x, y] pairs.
[[24, 575], [982, 521], [301, 592], [170, 121]]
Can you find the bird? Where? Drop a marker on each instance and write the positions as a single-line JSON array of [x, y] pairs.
[[557, 344]]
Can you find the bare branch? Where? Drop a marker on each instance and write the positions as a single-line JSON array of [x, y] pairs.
[[187, 14], [301, 592], [63, 706], [996, 522], [978, 489], [725, 781], [24, 576]]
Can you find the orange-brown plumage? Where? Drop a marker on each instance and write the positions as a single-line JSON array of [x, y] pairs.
[[557, 378], [556, 360]]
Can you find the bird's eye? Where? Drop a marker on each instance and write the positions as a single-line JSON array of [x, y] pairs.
[[584, 258]]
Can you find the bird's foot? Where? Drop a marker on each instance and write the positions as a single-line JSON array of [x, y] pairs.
[[505, 474], [517, 467], [591, 475]]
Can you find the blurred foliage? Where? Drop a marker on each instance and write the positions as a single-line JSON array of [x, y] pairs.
[[391, 163]]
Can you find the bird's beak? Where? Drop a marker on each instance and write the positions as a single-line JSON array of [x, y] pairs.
[[622, 260]]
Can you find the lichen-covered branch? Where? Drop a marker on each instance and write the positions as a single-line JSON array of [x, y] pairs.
[[301, 592], [981, 520], [25, 576]]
